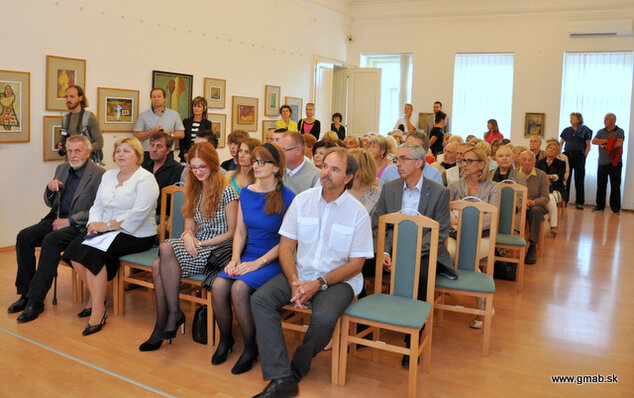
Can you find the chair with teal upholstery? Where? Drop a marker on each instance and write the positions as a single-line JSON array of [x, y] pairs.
[[509, 237], [400, 310], [191, 288], [470, 281]]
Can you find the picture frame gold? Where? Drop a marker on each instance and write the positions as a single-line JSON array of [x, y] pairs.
[[296, 105], [271, 100], [219, 127], [215, 91], [15, 106], [424, 118], [266, 126], [534, 124], [62, 72], [52, 126], [117, 109], [244, 113], [178, 88]]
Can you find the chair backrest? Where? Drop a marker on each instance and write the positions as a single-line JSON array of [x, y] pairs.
[[469, 236], [407, 243], [511, 195], [176, 224]]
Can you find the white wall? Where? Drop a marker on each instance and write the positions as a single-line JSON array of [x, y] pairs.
[[434, 31], [249, 43]]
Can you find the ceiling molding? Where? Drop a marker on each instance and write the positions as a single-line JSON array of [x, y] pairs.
[[340, 7]]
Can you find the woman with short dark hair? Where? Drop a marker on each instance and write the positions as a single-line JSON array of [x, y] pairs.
[[337, 127]]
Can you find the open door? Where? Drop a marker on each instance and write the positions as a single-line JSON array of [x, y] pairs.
[[363, 100]]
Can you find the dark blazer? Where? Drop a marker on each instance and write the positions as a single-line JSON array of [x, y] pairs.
[[84, 195], [434, 203], [315, 131], [558, 167], [186, 142]]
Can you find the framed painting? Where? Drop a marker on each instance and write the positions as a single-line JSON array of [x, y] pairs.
[[15, 106], [215, 92], [534, 124], [62, 73], [117, 109], [266, 126], [244, 114], [219, 127], [271, 100], [296, 106], [178, 90], [424, 118], [52, 133]]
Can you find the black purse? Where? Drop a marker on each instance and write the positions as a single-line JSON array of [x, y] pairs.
[[199, 325]]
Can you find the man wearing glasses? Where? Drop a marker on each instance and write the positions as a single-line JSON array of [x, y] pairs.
[[300, 175]]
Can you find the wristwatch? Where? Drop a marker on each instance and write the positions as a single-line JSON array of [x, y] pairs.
[[323, 283], [108, 225]]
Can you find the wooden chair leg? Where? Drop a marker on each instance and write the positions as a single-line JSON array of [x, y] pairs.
[[487, 325], [520, 271], [336, 342], [73, 280], [354, 327], [211, 322], [440, 313], [413, 363], [375, 335], [540, 241], [343, 350], [115, 294], [120, 292]]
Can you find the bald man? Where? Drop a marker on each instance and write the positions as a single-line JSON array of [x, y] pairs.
[[535, 146], [537, 203]]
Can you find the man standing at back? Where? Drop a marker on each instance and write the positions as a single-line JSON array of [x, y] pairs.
[[300, 175], [79, 121], [610, 142], [432, 120]]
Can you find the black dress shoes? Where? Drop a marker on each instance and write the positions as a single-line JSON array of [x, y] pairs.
[[90, 329], [84, 313], [531, 255], [32, 311], [285, 387], [18, 306], [597, 208]]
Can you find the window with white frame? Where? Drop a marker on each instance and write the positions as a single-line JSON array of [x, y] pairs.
[[482, 90], [396, 85], [593, 84]]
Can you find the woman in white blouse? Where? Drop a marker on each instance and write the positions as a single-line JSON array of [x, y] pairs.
[[122, 221]]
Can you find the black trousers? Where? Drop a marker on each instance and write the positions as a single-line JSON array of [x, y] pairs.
[[36, 283], [614, 173], [577, 163], [534, 217]]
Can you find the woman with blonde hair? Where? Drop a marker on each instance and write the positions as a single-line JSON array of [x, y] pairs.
[[364, 186], [210, 211], [243, 174]]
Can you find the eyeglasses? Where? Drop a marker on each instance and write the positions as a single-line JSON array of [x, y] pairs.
[[289, 149], [403, 159], [261, 163], [197, 169], [469, 161]]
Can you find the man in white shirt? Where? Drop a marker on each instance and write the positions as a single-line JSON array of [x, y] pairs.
[[325, 238], [408, 122], [300, 175]]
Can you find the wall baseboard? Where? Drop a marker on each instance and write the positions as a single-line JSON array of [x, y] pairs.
[[7, 249]]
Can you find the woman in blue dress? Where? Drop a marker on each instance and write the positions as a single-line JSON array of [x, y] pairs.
[[255, 250]]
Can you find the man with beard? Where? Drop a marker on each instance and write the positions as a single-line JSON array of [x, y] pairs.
[[70, 195], [325, 238], [80, 121]]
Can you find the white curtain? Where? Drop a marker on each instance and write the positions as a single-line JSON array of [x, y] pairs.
[[482, 90], [595, 84]]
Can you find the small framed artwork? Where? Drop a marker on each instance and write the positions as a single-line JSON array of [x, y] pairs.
[[15, 106], [535, 124], [296, 106], [178, 90], [244, 114], [266, 126], [271, 100], [52, 133], [425, 118], [117, 109], [215, 92], [219, 127], [62, 73]]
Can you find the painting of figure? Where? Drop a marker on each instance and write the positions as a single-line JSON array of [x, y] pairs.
[[10, 106], [119, 110], [65, 79], [534, 124], [215, 93], [178, 89]]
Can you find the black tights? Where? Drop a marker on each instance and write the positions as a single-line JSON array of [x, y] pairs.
[[166, 273], [227, 291]]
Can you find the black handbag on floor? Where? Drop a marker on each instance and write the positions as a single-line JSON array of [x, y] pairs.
[[199, 325], [504, 270]]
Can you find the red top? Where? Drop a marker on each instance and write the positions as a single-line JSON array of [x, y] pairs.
[[493, 136]]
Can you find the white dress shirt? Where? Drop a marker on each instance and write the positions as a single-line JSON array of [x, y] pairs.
[[412, 119], [134, 202], [328, 234]]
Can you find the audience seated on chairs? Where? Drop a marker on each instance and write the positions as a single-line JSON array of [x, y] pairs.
[[365, 186], [380, 149], [391, 172], [475, 183], [166, 170], [487, 150], [69, 194], [122, 221], [414, 194], [202, 136], [300, 174], [326, 236], [254, 258], [495, 144], [233, 141], [210, 212], [352, 142], [505, 170], [319, 151], [537, 184], [243, 174], [448, 161], [535, 146], [555, 170], [309, 143], [517, 151]]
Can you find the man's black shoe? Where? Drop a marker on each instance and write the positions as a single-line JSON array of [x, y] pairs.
[[31, 312], [285, 387], [597, 208], [579, 206], [18, 306], [531, 255]]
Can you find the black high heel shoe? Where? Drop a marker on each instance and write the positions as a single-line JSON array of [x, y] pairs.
[[84, 313], [148, 346], [224, 348], [90, 329], [170, 334], [245, 362]]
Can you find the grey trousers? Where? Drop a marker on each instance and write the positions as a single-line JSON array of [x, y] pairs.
[[326, 306], [534, 217]]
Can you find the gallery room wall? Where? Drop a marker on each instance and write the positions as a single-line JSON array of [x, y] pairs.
[[538, 36], [249, 43]]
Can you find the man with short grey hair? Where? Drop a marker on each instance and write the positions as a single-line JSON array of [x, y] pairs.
[[300, 175], [538, 197], [610, 142]]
